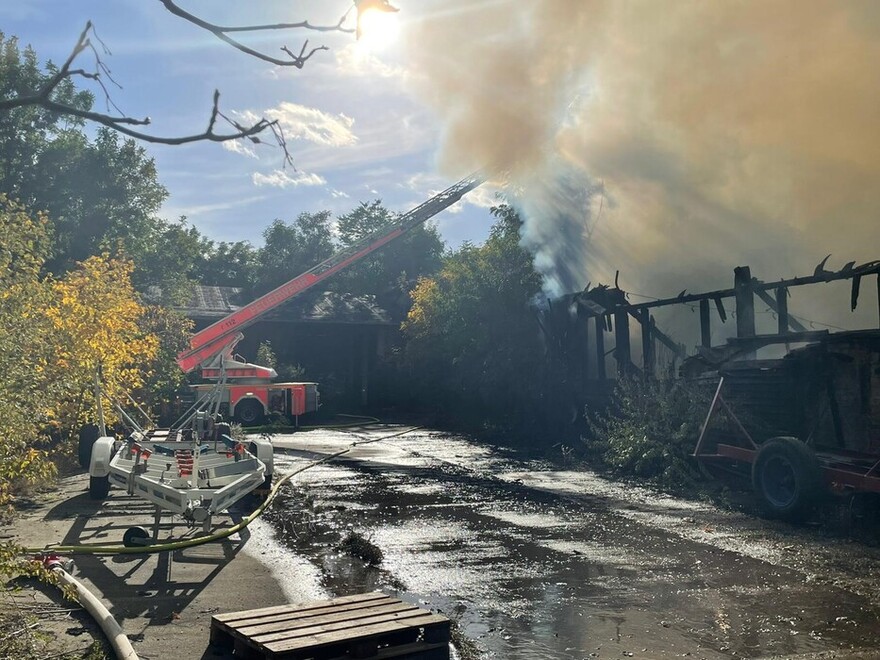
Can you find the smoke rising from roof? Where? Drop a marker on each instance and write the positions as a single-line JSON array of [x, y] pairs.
[[721, 133]]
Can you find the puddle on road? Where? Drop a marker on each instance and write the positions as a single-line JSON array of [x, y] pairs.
[[592, 570]]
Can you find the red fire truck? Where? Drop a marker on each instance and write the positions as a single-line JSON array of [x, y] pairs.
[[244, 391]]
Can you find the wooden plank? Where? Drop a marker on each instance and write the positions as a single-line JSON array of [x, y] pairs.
[[287, 625], [793, 323], [759, 341], [871, 268], [248, 614], [293, 615], [418, 651], [346, 629], [336, 633], [352, 626]]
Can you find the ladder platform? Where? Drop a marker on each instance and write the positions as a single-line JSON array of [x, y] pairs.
[[373, 625]]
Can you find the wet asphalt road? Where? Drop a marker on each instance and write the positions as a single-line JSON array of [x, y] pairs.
[[534, 562]]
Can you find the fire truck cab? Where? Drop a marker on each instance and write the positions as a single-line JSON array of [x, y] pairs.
[[249, 396], [251, 404]]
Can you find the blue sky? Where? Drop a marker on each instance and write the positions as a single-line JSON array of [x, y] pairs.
[[669, 141], [354, 131]]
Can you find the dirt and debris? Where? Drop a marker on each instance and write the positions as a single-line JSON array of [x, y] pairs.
[[533, 561], [527, 560]]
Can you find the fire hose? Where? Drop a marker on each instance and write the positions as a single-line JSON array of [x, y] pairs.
[[118, 640], [97, 549], [120, 643]]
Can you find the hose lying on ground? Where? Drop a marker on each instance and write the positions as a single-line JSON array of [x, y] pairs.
[[117, 638], [95, 549], [363, 420]]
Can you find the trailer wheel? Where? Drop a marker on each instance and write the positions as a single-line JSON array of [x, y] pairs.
[[786, 478], [99, 487], [249, 412], [135, 537], [88, 434]]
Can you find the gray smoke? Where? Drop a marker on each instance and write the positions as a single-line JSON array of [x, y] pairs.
[[722, 133]]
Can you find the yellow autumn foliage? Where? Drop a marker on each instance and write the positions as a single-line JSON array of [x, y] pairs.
[[97, 324], [54, 333]]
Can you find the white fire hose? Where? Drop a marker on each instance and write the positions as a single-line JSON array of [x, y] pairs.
[[118, 640]]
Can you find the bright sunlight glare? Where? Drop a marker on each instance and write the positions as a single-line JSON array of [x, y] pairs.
[[379, 29]]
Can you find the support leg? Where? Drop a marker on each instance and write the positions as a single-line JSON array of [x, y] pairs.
[[157, 519]]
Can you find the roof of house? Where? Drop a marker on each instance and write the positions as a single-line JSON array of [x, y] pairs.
[[215, 302]]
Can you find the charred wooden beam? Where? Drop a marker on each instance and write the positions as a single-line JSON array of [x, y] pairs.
[[705, 324], [845, 274], [759, 341], [783, 322], [600, 348], [745, 301], [647, 342], [663, 338], [622, 349], [775, 305]]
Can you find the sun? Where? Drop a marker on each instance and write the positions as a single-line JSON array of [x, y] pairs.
[[379, 29]]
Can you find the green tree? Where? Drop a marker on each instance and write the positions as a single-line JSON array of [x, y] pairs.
[[169, 258], [471, 334], [25, 349], [25, 131], [98, 193], [292, 248], [227, 264], [391, 273]]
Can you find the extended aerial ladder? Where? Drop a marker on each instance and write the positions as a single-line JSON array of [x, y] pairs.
[[195, 468], [218, 340]]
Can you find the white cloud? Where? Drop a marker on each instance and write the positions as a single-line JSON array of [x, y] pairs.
[[285, 179], [422, 180], [354, 60], [193, 210], [239, 147], [313, 125]]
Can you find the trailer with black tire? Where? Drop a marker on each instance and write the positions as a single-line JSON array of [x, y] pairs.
[[800, 427]]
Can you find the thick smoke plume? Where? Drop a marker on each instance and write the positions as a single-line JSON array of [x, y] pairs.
[[712, 134]]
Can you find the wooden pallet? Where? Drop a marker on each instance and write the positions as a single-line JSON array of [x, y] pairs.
[[371, 625]]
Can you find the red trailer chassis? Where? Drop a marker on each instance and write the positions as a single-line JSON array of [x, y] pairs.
[[803, 425], [842, 471]]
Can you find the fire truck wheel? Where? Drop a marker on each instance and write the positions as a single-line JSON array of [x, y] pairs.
[[99, 487], [135, 537], [249, 412], [786, 478], [88, 434]]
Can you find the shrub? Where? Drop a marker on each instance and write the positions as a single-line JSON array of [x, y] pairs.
[[650, 431]]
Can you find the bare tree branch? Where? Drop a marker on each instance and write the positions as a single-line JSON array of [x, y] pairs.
[[222, 33], [44, 98], [123, 124]]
